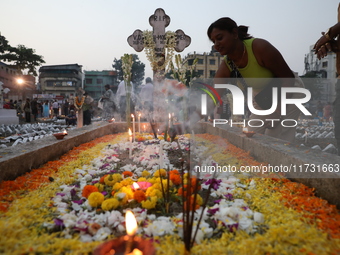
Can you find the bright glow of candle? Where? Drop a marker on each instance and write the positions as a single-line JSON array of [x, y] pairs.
[[245, 129], [135, 186], [130, 223], [64, 132], [133, 126], [130, 147], [135, 252]]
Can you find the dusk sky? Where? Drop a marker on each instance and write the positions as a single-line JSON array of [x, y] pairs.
[[93, 33]]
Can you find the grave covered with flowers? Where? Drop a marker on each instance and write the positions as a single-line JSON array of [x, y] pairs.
[[77, 203]]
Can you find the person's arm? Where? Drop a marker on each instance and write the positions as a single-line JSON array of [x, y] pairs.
[[326, 42]]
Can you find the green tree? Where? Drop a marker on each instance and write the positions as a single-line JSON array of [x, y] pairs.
[[22, 58], [138, 70], [4, 45]]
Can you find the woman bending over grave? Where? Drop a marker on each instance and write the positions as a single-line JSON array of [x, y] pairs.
[[247, 57]]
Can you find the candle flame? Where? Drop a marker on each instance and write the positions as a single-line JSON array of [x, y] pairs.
[[135, 185], [169, 116], [130, 223], [132, 115], [64, 132], [113, 119], [245, 129], [135, 252], [130, 133], [139, 114]]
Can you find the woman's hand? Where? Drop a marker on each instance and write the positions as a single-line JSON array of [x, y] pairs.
[[323, 46]]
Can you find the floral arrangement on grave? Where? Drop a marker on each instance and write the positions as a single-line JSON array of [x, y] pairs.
[[159, 61], [127, 61], [79, 102]]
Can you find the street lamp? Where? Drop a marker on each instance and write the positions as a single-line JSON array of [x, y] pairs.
[[20, 82]]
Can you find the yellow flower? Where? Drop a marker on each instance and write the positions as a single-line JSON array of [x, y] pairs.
[[117, 186], [111, 179], [128, 191], [155, 193], [96, 199], [127, 182], [160, 172], [150, 203], [99, 186], [109, 204], [145, 173], [142, 179]]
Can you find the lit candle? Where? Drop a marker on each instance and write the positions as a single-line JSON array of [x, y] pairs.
[[131, 229], [139, 123], [130, 145], [135, 186], [133, 126], [245, 129], [65, 132], [144, 128], [169, 119]]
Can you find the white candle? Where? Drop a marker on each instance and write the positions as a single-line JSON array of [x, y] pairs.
[[169, 119], [133, 126], [130, 145], [139, 123]]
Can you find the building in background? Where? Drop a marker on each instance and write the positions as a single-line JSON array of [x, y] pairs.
[[323, 68], [20, 86], [207, 63], [60, 80], [96, 80]]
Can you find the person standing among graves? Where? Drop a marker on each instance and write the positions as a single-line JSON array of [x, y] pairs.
[[46, 109], [255, 58], [34, 109], [146, 96], [66, 107], [55, 107], [27, 110], [322, 47], [108, 102], [87, 107], [121, 98]]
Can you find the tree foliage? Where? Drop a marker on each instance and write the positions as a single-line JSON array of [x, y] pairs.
[[20, 57], [138, 70]]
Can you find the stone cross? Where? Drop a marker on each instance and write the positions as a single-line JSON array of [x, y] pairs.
[[159, 21]]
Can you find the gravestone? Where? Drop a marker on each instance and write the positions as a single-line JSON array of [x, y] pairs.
[[159, 21]]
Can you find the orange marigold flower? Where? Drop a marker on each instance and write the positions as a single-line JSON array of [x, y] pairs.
[[88, 189], [102, 179], [127, 173], [176, 179], [139, 196]]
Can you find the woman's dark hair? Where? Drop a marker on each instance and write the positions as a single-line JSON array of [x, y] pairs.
[[228, 24]]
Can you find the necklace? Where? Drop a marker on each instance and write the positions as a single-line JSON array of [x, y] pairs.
[[244, 52]]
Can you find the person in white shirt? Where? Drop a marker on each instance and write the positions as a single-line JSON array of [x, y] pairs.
[[146, 96], [121, 99]]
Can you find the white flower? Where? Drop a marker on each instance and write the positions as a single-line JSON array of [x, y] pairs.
[[258, 217], [160, 227]]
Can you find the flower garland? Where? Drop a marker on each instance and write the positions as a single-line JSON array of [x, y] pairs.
[[287, 228], [79, 104], [159, 63]]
